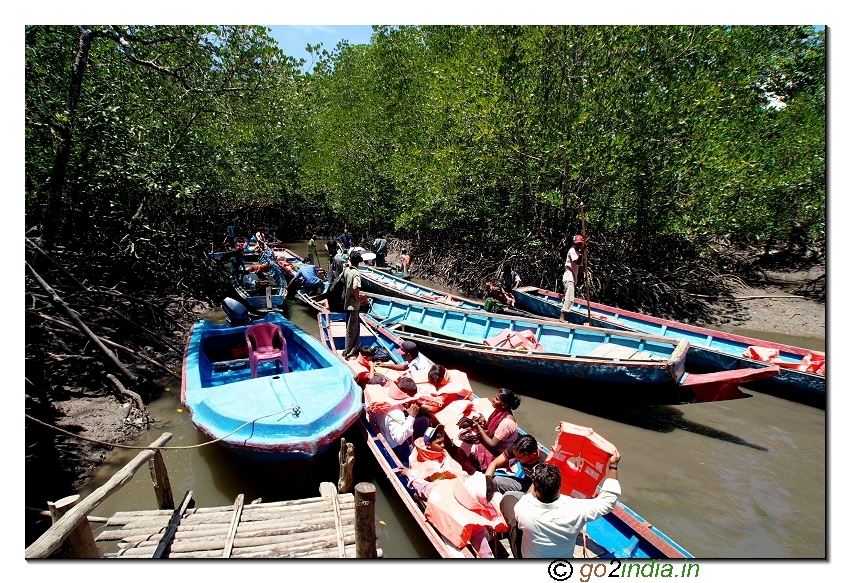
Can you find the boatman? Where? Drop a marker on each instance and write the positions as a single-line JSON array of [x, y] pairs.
[[545, 523], [571, 267], [309, 278], [380, 246], [352, 306]]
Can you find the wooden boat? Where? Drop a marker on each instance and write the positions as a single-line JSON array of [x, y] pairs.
[[711, 350], [277, 415], [563, 350], [378, 282], [622, 533]]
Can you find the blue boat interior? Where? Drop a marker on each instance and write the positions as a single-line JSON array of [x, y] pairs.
[[474, 328]]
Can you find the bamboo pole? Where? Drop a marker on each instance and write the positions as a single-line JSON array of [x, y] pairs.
[[80, 542], [172, 526], [237, 512], [56, 264], [365, 534], [54, 297], [584, 261], [51, 540]]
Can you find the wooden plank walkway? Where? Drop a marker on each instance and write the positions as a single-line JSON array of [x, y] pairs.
[[321, 527]]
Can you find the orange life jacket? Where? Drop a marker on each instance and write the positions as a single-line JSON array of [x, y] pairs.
[[814, 362], [456, 514], [433, 465], [582, 456], [452, 413], [524, 340], [455, 386], [378, 399]]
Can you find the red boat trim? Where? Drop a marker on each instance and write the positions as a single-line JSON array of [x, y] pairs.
[[644, 529]]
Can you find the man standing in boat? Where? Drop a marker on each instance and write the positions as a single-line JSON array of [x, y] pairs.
[[571, 267], [352, 306], [380, 246]]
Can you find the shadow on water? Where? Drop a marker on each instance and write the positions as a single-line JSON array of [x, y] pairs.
[[633, 405]]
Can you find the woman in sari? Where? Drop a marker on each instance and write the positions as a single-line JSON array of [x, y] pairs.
[[494, 436]]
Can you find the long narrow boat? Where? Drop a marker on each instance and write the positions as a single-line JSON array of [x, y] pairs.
[[258, 290], [620, 534], [279, 414], [709, 349], [378, 282], [567, 351]]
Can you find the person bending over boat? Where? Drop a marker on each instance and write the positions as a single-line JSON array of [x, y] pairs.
[[308, 278], [518, 462], [464, 509], [570, 279], [493, 437], [395, 413], [502, 290], [413, 359], [545, 523]]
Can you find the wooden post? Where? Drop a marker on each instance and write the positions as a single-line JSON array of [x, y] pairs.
[[80, 543], [161, 483], [346, 467], [365, 534]]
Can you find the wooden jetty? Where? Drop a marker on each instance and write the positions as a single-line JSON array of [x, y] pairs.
[[331, 525]]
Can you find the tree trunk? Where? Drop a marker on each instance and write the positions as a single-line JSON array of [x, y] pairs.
[[52, 219]]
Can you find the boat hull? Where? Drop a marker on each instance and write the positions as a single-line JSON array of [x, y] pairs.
[[278, 415], [710, 350]]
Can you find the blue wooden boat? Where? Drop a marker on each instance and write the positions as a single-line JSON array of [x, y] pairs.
[[620, 534], [378, 282], [277, 415], [568, 351], [711, 350]]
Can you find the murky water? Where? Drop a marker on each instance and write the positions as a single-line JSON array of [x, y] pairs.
[[743, 478]]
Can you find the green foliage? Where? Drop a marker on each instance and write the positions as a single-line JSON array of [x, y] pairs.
[[467, 131]]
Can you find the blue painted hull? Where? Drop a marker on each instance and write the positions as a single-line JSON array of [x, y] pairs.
[[378, 282], [572, 352], [623, 533], [276, 416], [709, 349]]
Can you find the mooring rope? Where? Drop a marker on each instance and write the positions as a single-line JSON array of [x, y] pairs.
[[163, 447]]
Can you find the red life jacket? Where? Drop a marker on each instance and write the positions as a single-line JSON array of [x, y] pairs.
[[582, 456], [433, 465]]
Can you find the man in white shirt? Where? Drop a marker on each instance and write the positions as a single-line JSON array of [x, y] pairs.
[[570, 279], [545, 523], [413, 360], [400, 425]]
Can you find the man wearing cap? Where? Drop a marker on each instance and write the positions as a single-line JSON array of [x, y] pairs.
[[352, 307], [398, 422], [571, 267], [413, 360]]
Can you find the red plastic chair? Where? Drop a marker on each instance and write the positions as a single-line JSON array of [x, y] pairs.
[[266, 342]]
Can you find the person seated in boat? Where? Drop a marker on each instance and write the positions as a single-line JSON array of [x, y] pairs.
[[413, 359], [441, 387], [260, 237], [431, 459], [545, 523], [308, 278], [395, 411], [463, 509], [484, 440], [364, 365], [516, 463], [501, 291]]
